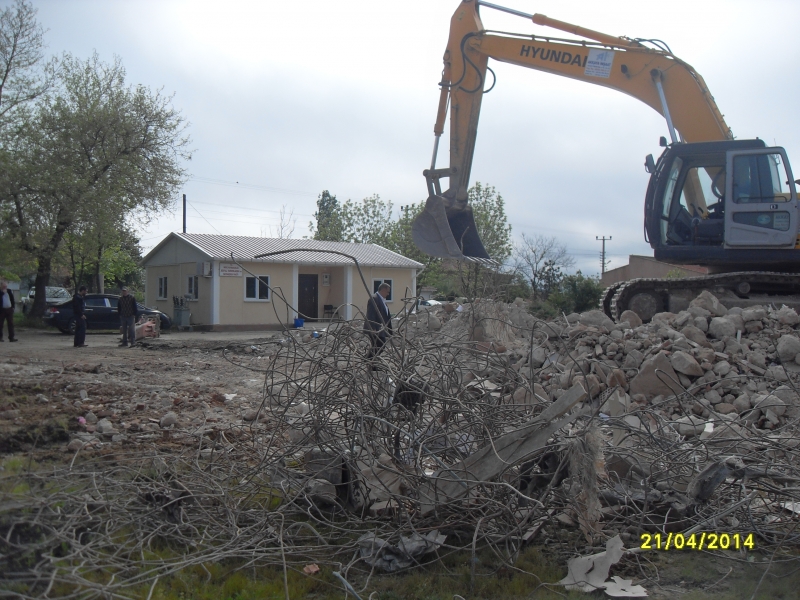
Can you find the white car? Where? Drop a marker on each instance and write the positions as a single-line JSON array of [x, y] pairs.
[[55, 295], [429, 303]]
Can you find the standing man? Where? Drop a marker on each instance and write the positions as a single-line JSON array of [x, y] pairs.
[[79, 312], [6, 311], [378, 324], [128, 311]]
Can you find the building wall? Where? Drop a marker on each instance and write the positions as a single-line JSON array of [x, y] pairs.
[[176, 251], [331, 294], [235, 310], [402, 281], [177, 285], [646, 266]]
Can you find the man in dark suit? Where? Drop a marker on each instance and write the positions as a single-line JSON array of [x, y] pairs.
[[7, 311], [79, 312], [378, 324]]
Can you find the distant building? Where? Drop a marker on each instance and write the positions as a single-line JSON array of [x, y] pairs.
[[647, 266], [267, 293]]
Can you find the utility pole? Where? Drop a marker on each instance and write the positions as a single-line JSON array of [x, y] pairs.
[[184, 213], [603, 262]]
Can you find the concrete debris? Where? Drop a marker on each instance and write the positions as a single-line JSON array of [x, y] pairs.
[[476, 420]]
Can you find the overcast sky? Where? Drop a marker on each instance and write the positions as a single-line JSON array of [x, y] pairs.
[[288, 98]]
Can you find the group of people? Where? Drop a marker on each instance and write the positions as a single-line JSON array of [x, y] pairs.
[[127, 309], [377, 325]]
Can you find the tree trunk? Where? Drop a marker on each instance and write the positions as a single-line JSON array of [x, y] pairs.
[[42, 280]]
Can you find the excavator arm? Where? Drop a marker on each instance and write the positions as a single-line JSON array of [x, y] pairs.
[[653, 75]]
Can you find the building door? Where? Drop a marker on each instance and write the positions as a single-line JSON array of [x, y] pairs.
[[308, 290]]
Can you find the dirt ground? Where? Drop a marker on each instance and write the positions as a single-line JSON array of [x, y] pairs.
[[48, 389]]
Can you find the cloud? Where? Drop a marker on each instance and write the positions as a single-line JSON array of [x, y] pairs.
[[306, 96]]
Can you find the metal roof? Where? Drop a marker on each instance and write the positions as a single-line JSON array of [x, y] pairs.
[[304, 252]]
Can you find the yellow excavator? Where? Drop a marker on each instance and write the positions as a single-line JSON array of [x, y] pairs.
[[729, 205]]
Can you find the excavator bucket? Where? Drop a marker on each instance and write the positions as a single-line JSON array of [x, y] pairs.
[[447, 230]]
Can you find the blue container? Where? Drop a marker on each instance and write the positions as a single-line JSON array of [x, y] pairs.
[[298, 323]]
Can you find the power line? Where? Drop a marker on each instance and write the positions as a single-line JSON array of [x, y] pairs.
[[277, 212], [249, 186], [204, 219]]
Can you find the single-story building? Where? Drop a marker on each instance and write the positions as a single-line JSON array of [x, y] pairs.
[[226, 287]]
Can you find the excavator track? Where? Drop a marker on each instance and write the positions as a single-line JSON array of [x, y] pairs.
[[608, 296], [647, 297]]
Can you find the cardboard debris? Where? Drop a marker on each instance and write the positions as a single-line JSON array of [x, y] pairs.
[[590, 573]]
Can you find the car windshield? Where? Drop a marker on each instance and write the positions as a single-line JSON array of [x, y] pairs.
[[51, 292]]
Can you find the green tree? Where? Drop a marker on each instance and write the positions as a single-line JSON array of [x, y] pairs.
[[368, 222], [329, 227], [577, 293], [489, 211], [93, 146], [24, 75], [402, 242]]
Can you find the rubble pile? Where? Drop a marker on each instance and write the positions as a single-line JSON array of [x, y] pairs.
[[478, 425]]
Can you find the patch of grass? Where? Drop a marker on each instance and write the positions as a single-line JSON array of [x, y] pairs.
[[13, 464]]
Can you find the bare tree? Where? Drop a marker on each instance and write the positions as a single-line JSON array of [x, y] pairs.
[[540, 259], [285, 229]]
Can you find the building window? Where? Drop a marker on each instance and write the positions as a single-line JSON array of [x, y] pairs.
[[162, 288], [191, 288], [256, 289], [376, 283]]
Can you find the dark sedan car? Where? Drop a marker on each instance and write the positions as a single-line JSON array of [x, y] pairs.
[[101, 313]]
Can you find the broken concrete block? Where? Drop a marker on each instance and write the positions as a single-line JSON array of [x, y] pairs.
[[777, 373], [722, 368], [721, 327], [75, 445], [685, 363], [596, 318], [773, 403], [689, 426], [709, 302], [695, 334], [656, 377], [168, 419], [617, 377], [632, 318], [787, 316], [104, 426], [320, 491], [741, 404], [788, 348]]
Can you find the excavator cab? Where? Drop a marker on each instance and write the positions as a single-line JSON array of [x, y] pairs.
[[707, 201]]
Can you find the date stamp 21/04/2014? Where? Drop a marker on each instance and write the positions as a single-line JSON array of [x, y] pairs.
[[697, 541]]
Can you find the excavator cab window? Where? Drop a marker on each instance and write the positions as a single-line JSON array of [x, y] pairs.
[[693, 204], [759, 178]]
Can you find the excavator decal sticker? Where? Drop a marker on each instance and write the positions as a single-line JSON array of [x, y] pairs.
[[599, 63], [566, 58]]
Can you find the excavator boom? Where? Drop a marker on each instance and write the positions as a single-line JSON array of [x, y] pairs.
[[653, 75]]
